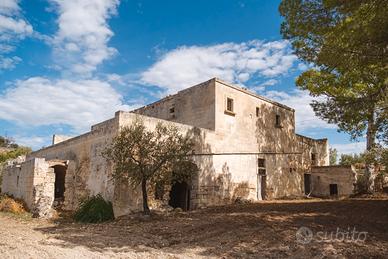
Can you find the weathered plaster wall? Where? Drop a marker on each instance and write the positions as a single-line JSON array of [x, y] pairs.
[[87, 172], [322, 177], [245, 132], [33, 182], [18, 181], [59, 138], [193, 106]]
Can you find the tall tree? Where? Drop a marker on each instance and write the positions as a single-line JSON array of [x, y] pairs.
[[145, 157], [346, 44], [333, 154]]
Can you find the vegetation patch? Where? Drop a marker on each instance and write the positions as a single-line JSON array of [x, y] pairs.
[[11, 205], [94, 210]]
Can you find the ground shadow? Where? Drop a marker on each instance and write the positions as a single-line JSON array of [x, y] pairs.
[[264, 229]]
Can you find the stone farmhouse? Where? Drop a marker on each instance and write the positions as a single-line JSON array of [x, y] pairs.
[[246, 148]]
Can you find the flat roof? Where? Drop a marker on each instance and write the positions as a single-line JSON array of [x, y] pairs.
[[238, 88], [246, 91]]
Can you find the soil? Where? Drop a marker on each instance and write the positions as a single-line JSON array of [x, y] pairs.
[[265, 229]]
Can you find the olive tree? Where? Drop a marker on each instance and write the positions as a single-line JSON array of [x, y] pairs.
[[146, 157]]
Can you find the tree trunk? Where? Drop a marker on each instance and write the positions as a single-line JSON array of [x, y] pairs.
[[146, 209], [370, 144]]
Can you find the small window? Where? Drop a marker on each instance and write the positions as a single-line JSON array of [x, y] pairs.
[[313, 159], [278, 121], [261, 166], [229, 104], [172, 109], [261, 162], [257, 111], [17, 181]]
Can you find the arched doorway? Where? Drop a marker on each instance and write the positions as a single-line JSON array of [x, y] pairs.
[[180, 196], [60, 174]]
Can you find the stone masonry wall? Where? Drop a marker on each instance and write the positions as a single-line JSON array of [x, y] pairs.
[[87, 171], [322, 177], [33, 182]]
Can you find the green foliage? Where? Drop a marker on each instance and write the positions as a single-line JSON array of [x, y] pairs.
[[7, 143], [333, 154], [346, 41], [347, 159], [94, 210], [149, 157], [10, 150], [377, 156], [11, 154]]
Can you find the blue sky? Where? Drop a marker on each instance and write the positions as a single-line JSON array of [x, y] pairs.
[[65, 65]]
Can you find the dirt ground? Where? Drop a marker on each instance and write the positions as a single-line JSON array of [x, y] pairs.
[[265, 229]]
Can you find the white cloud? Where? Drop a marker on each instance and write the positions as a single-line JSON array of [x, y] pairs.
[[81, 43], [39, 101], [12, 29], [9, 6], [12, 26], [8, 63], [261, 87], [233, 62], [304, 114], [35, 142], [350, 148]]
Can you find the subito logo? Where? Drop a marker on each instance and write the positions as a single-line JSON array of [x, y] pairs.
[[304, 235]]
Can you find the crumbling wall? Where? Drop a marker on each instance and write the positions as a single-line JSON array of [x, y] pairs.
[[18, 181], [33, 182], [87, 172], [43, 188], [309, 147], [322, 176]]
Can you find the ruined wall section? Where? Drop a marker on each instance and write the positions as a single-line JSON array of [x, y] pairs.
[[33, 182], [193, 106], [18, 181], [88, 173], [318, 148]]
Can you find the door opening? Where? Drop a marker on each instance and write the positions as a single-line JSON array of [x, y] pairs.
[[333, 190], [307, 184], [180, 196], [60, 173], [261, 186]]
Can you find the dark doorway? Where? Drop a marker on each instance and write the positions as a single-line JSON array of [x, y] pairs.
[[261, 186], [60, 173], [263, 180], [333, 190], [307, 184], [180, 196]]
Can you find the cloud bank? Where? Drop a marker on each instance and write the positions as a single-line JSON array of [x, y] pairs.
[[234, 62], [39, 101], [81, 42], [13, 28]]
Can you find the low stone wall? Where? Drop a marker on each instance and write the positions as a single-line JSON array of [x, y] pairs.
[[33, 182], [344, 177]]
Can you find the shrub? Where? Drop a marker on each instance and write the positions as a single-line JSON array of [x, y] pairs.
[[94, 210], [8, 204]]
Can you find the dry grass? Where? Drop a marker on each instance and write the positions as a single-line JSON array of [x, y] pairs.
[[10, 205]]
